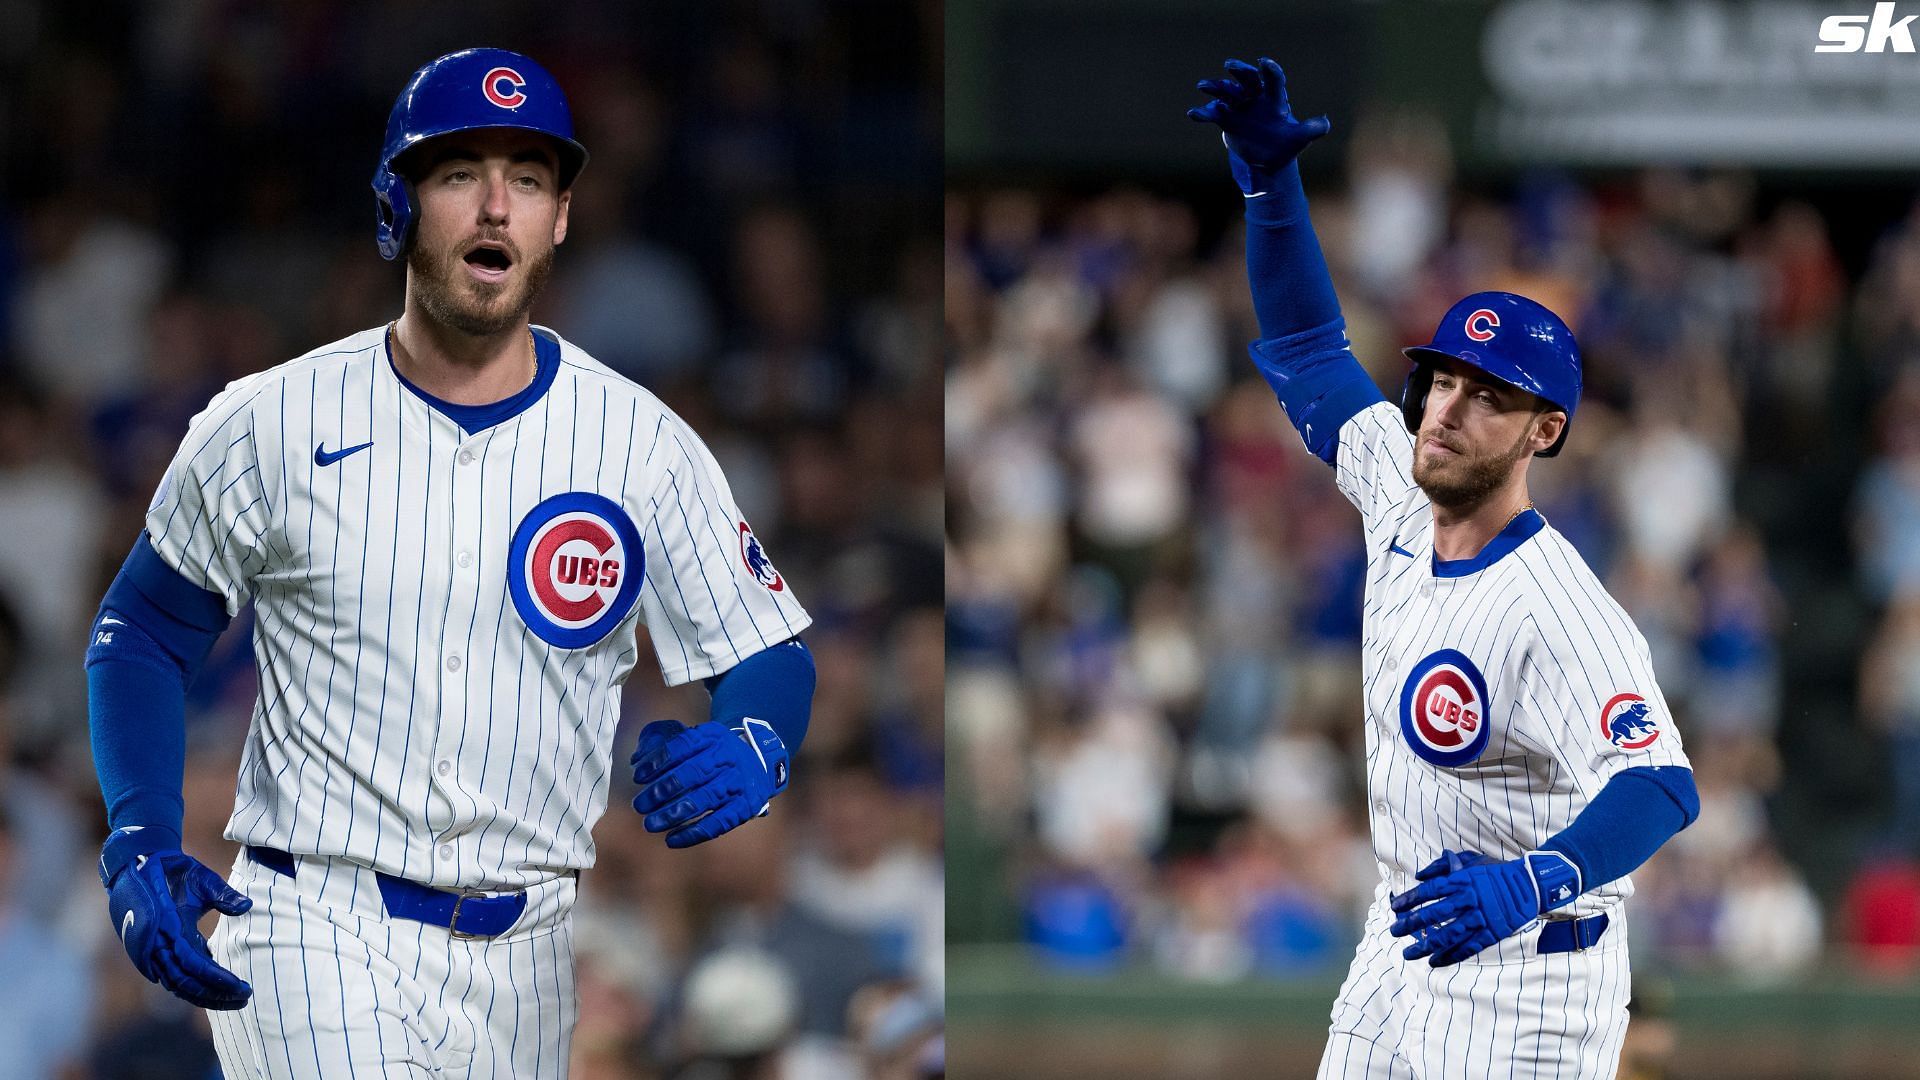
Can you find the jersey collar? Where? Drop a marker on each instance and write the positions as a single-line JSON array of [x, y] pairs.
[[474, 419], [1524, 525]]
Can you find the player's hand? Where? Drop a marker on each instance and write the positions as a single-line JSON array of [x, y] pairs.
[[1262, 136], [156, 897], [1450, 862], [1467, 902], [699, 782]]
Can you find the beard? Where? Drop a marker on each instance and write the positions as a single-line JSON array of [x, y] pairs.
[[452, 298], [1460, 484]]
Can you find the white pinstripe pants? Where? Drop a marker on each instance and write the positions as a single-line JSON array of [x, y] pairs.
[[340, 989], [1507, 1012]]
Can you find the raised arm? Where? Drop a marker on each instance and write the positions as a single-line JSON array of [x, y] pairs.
[[1303, 350]]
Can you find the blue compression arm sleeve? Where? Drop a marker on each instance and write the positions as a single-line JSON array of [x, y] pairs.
[[1636, 812], [775, 685], [154, 629], [1303, 352], [1292, 288]]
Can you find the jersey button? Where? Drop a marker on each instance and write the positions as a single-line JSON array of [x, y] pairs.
[[466, 558], [466, 457], [1393, 663], [444, 768], [453, 663], [446, 852]]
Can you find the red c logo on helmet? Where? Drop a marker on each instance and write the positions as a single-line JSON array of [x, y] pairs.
[[1481, 324], [513, 98]]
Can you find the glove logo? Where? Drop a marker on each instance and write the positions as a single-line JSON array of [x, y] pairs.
[[574, 568], [511, 97], [1481, 324], [1444, 708], [1627, 722], [757, 562]]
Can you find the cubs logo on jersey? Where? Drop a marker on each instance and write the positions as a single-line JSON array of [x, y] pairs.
[[1443, 709], [575, 568], [757, 562], [1627, 722]]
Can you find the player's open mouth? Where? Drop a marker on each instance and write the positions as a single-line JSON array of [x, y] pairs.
[[488, 262]]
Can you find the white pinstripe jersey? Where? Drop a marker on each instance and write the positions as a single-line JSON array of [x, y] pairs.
[[444, 620], [1502, 692]]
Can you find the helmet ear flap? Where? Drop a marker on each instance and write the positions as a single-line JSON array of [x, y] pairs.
[[1413, 396], [393, 210]]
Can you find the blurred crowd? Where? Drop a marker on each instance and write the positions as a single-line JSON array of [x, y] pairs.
[[1154, 590], [186, 201]]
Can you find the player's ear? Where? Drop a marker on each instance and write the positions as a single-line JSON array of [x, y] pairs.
[[560, 219], [1547, 428]]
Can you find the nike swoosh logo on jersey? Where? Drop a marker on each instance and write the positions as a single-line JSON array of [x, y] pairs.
[[322, 458], [1398, 550]]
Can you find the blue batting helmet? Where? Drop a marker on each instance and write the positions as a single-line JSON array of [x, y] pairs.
[[464, 91], [1510, 338]]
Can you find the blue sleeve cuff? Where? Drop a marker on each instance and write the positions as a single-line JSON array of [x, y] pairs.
[[1639, 810], [1676, 783], [1319, 383], [179, 618], [775, 685], [199, 608]]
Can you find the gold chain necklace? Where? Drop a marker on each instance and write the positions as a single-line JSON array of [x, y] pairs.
[[533, 354]]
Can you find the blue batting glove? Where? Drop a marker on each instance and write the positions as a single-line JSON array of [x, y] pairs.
[[1250, 107], [156, 895], [1450, 862], [1467, 902], [697, 783]]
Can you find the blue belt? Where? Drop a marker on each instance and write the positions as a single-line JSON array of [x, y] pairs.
[[1572, 935], [466, 915]]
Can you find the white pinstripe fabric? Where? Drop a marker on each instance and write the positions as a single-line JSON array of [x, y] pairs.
[[409, 719], [413, 718], [1554, 650], [341, 989], [1508, 1011]]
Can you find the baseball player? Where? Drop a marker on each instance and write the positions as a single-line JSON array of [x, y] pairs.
[[449, 528], [1520, 758]]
